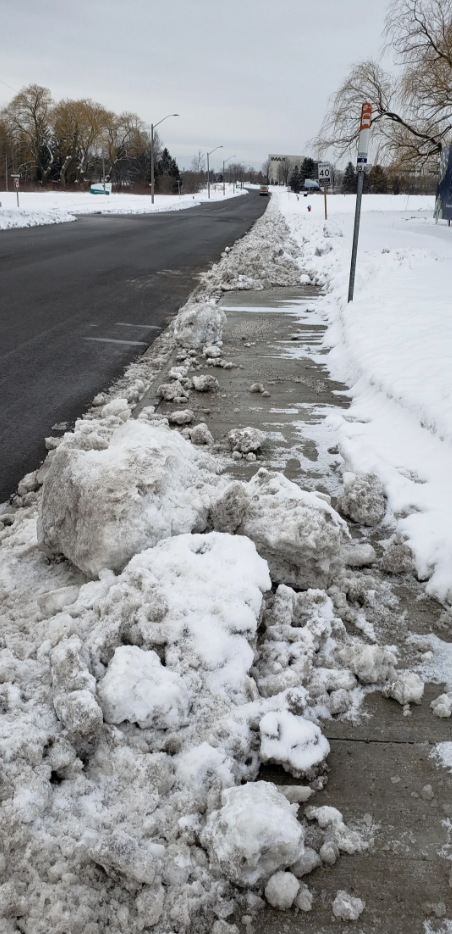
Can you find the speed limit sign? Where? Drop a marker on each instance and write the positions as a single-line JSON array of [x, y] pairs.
[[324, 174]]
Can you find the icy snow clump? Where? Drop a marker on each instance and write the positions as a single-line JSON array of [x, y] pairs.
[[199, 324], [253, 834], [362, 499], [100, 507], [293, 742]]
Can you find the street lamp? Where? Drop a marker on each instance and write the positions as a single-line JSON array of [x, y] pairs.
[[208, 169], [153, 126], [224, 163]]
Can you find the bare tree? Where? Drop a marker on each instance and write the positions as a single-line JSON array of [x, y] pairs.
[[198, 163], [412, 110], [28, 119]]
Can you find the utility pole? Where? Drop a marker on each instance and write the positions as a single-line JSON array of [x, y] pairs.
[[208, 167], [153, 126], [363, 150], [224, 180]]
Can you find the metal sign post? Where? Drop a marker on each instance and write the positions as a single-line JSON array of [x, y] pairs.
[[363, 150], [16, 183], [325, 181]]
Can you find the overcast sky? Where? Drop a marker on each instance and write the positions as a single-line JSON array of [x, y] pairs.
[[253, 75]]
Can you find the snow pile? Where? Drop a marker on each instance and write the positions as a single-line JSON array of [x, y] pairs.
[[266, 257], [362, 499], [139, 689], [101, 505], [297, 532], [392, 346], [45, 207]]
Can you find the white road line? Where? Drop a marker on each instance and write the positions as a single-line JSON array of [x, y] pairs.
[[111, 340], [148, 327]]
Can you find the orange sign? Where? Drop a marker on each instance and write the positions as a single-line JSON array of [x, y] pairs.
[[366, 116]]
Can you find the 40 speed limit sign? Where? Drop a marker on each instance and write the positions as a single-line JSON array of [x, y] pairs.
[[324, 174]]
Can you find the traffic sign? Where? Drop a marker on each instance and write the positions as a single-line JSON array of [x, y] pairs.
[[324, 174], [17, 182]]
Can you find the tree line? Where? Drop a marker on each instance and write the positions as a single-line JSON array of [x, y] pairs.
[[412, 105]]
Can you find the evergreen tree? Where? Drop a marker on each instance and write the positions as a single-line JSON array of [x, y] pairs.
[[307, 170], [378, 182], [166, 173], [396, 185], [295, 180], [350, 180]]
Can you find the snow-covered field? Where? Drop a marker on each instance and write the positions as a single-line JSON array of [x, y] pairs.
[[38, 208], [393, 347]]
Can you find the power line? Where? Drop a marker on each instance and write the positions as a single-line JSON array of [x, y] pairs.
[[9, 86]]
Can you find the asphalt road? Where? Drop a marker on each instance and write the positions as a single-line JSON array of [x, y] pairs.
[[79, 301]]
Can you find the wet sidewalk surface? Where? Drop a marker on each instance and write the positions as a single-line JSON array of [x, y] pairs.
[[380, 767]]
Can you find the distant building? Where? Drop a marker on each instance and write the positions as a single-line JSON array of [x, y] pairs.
[[280, 168]]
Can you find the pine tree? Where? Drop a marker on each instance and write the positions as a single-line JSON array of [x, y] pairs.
[[307, 170], [378, 182], [295, 180], [350, 180]]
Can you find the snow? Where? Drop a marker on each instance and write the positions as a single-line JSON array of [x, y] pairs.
[[281, 890], [139, 689], [392, 346], [198, 325], [37, 208], [145, 482], [293, 742], [254, 833], [346, 907]]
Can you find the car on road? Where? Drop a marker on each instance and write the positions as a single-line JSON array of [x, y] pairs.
[[263, 190]]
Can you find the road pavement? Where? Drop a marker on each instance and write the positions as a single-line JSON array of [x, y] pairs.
[[80, 301]]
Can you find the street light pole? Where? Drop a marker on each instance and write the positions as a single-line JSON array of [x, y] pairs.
[[208, 167], [153, 126], [224, 163]]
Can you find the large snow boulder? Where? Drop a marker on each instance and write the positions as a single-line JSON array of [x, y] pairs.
[[199, 324], [298, 533], [362, 498], [100, 507], [255, 833], [138, 688]]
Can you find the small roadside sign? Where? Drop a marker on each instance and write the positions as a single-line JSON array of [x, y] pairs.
[[17, 182], [324, 174], [325, 181]]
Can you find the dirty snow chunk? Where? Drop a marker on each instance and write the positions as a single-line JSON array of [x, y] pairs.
[[183, 417], [100, 507], [281, 890], [255, 833], [370, 663], [296, 794], [119, 852], [69, 667], [196, 767], [304, 898], [293, 742], [211, 351], [246, 440], [199, 325], [206, 383], [200, 434], [407, 688], [330, 229], [307, 862], [52, 601], [79, 712], [172, 392], [256, 387], [442, 705], [362, 499], [149, 904], [228, 510], [222, 927], [359, 556], [139, 689], [346, 907], [298, 533], [397, 558]]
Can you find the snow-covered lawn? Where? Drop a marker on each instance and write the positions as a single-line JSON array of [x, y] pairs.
[[393, 347], [47, 207]]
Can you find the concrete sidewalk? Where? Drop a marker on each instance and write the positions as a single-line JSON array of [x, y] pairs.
[[379, 768]]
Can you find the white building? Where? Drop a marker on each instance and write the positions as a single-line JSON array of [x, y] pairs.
[[280, 168]]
